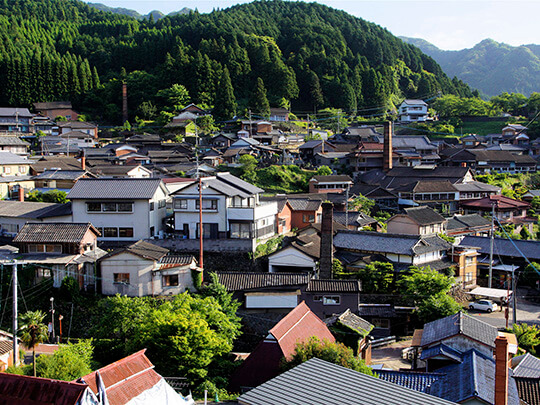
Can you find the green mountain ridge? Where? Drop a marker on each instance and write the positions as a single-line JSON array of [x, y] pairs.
[[305, 54], [490, 66], [156, 14]]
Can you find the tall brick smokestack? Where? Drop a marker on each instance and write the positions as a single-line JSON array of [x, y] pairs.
[[327, 241], [387, 147], [21, 194], [124, 102], [501, 371], [83, 162]]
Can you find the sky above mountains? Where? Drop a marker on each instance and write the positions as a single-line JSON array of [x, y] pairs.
[[448, 24]]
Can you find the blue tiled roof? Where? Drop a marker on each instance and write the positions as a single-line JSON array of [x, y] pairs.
[[474, 377], [413, 380], [441, 350]]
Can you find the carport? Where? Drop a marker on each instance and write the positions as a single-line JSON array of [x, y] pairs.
[[499, 294]]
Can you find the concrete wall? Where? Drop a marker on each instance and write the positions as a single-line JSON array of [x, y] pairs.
[[290, 257], [347, 300], [11, 225], [139, 270], [402, 224]]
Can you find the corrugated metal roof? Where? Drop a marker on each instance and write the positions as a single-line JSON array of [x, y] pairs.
[[5, 346], [53, 232], [334, 286], [237, 281], [459, 324], [319, 382], [20, 389], [298, 326], [114, 189], [126, 378], [528, 367]]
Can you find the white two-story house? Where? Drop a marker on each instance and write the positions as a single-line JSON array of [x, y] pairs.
[[231, 209], [413, 111], [122, 209]]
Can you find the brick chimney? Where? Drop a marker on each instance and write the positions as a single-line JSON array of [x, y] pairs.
[[327, 241], [387, 147], [21, 194], [501, 371], [124, 102], [83, 162]]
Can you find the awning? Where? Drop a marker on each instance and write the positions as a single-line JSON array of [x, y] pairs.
[[506, 267], [498, 293]]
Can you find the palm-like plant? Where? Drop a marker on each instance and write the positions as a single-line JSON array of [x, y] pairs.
[[33, 331]]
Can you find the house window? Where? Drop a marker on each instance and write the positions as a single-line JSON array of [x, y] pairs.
[[121, 278], [110, 232], [44, 248], [331, 300], [469, 260], [7, 170], [44, 272], [125, 232], [309, 218], [170, 281], [152, 206], [22, 169], [468, 276], [317, 298], [109, 207], [125, 207], [93, 207], [180, 204], [240, 230], [162, 203], [207, 204]]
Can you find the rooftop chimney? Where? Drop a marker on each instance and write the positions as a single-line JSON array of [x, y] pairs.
[[501, 371], [387, 147], [21, 194], [124, 102], [83, 162], [327, 241]]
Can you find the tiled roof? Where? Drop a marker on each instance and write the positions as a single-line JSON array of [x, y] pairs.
[[355, 218], [55, 162], [529, 390], [8, 158], [473, 377], [298, 326], [114, 189], [528, 367], [319, 382], [428, 186], [351, 321], [424, 215], [304, 204], [467, 222], [143, 249], [238, 183], [12, 111], [76, 124], [33, 210], [5, 346], [459, 324], [501, 201], [504, 247], [12, 141], [388, 243], [61, 174], [53, 232], [308, 244], [125, 379], [417, 381], [318, 285], [441, 350], [380, 310], [181, 260], [24, 390], [239, 281]]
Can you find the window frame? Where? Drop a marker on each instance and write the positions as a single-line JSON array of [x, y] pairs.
[[120, 278], [169, 282]]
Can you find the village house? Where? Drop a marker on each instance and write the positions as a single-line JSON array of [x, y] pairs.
[[62, 180], [60, 249], [15, 119], [420, 220], [122, 209], [14, 176], [14, 144], [488, 161], [330, 184], [279, 114], [53, 109], [441, 195], [231, 209], [472, 224], [14, 214], [143, 268], [413, 111], [64, 127]]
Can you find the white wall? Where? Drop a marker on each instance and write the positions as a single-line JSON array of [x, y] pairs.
[[261, 300], [290, 257], [139, 270]]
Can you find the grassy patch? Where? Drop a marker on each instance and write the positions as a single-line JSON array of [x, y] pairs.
[[481, 128]]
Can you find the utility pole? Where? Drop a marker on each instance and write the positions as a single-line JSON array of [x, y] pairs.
[[15, 283], [347, 206], [514, 294], [200, 226], [52, 317], [250, 128], [338, 124], [491, 244]]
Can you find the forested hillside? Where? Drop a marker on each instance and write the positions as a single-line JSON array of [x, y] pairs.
[[491, 67], [307, 54]]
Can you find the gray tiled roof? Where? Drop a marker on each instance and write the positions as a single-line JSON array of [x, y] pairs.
[[8, 158], [417, 381], [424, 215], [53, 105], [143, 249], [34, 210], [350, 320], [528, 367], [115, 189], [334, 286], [238, 183], [61, 174], [177, 259], [467, 221], [504, 247], [13, 111], [304, 204], [332, 178], [388, 243], [53, 232], [319, 382], [379, 310], [12, 141], [459, 324], [239, 281]]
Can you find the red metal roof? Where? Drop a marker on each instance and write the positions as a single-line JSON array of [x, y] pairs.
[[126, 378], [503, 203], [297, 327], [23, 390]]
